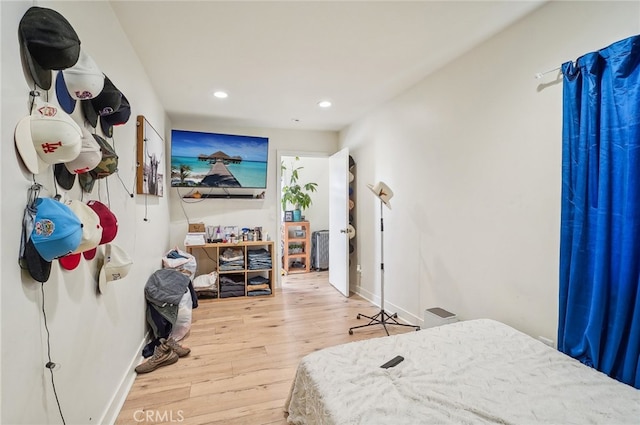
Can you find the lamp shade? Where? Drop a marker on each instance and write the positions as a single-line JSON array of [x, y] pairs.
[[382, 191]]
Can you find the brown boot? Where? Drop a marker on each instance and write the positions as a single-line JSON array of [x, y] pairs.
[[163, 355]]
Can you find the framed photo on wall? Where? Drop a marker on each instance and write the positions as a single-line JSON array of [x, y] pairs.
[[150, 156]]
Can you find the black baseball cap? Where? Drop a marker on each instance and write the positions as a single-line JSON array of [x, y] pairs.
[[38, 267], [47, 42], [29, 258], [119, 117], [106, 103]]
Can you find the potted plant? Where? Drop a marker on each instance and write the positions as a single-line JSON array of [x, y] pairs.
[[295, 194]]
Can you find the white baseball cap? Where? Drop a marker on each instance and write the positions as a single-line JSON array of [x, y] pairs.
[[82, 81], [91, 228], [47, 136], [91, 233], [89, 157], [117, 264]]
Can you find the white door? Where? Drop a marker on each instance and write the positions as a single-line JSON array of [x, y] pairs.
[[339, 220]]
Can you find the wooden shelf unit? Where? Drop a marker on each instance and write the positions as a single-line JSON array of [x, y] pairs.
[[296, 235], [208, 260]]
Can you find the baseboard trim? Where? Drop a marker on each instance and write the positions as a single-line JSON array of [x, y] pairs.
[[120, 396], [403, 314]]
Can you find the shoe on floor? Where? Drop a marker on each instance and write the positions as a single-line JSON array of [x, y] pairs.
[[163, 355], [177, 348]]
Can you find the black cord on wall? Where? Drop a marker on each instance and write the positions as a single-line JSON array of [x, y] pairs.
[[50, 365]]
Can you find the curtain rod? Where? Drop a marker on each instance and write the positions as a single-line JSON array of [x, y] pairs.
[[541, 74]]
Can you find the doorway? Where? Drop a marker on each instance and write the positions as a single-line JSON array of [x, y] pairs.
[[329, 208], [315, 168]]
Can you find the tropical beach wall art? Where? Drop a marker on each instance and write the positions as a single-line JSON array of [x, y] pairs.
[[215, 160]]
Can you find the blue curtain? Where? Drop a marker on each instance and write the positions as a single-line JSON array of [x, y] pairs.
[[599, 315]]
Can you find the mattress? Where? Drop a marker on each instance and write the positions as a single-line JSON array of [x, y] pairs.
[[470, 372]]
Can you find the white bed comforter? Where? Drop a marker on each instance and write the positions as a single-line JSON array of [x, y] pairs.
[[472, 372]]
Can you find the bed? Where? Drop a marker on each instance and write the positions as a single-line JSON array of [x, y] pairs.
[[472, 372]]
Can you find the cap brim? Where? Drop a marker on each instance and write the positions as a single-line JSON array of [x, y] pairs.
[[102, 281], [86, 181], [39, 75], [27, 151], [90, 114], [67, 103], [38, 267], [107, 128], [65, 179], [90, 254], [70, 262]]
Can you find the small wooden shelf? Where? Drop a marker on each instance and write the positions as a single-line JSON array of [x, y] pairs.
[[296, 234], [208, 259]]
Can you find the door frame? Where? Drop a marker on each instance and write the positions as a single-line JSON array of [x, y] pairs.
[[279, 155]]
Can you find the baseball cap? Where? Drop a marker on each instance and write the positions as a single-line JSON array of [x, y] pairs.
[[107, 102], [117, 264], [47, 136], [39, 268], [29, 258], [108, 222], [91, 233], [89, 156], [82, 81], [47, 41], [57, 231], [108, 165], [119, 117]]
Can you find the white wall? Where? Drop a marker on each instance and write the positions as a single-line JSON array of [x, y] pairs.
[[95, 338], [473, 154]]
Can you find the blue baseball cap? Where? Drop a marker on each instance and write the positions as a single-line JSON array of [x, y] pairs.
[[57, 231]]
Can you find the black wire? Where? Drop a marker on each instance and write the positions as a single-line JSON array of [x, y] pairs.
[[118, 171], [55, 183], [182, 206], [50, 365], [205, 250], [123, 185]]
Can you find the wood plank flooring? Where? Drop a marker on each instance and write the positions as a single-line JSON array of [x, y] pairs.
[[244, 354]]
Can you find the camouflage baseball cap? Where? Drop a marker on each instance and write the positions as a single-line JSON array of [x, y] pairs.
[[107, 166]]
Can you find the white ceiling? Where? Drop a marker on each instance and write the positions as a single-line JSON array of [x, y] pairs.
[[278, 59]]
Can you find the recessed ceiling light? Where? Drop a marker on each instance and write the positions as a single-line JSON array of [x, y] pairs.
[[324, 104], [221, 94]]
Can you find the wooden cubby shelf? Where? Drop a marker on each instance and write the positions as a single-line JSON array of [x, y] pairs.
[[296, 246], [251, 261]]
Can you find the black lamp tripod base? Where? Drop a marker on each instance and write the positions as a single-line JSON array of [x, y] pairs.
[[381, 318]]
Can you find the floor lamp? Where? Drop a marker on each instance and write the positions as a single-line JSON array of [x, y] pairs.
[[384, 193]]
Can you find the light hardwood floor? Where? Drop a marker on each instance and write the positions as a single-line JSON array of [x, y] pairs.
[[244, 354]]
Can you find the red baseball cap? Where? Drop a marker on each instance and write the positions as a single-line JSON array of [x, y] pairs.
[[108, 222]]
